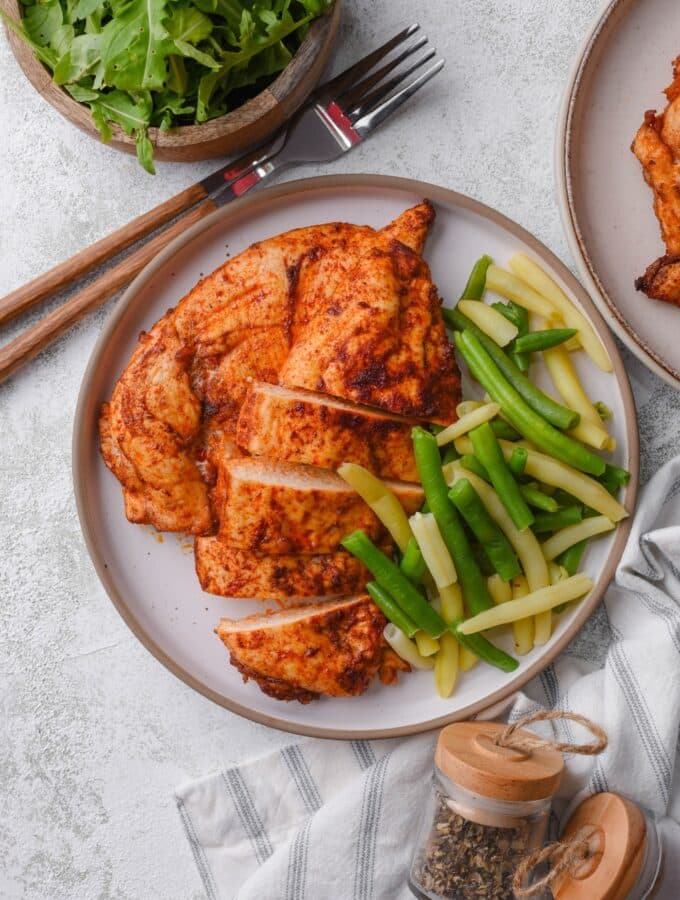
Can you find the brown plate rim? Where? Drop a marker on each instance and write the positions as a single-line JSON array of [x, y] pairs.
[[82, 442], [567, 134]]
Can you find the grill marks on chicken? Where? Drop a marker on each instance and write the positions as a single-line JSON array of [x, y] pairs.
[[331, 648], [301, 426], [657, 146], [322, 345]]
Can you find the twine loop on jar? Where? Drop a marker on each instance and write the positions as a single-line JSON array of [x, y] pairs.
[[511, 739], [565, 856]]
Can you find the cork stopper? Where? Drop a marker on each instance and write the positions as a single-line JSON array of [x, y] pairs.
[[468, 755], [617, 847]]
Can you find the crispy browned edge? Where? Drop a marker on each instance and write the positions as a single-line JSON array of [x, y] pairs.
[[92, 394]]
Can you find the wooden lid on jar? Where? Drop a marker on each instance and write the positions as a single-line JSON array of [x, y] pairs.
[[617, 846], [467, 754]]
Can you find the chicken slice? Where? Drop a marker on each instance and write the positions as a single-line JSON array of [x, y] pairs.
[[301, 426], [331, 648], [380, 339], [277, 507], [229, 572]]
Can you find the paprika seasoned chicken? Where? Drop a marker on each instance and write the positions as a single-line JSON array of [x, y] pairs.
[[231, 572], [657, 146], [305, 427], [331, 648], [320, 346], [276, 507], [172, 417]]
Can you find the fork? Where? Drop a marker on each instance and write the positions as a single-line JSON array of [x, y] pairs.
[[337, 116]]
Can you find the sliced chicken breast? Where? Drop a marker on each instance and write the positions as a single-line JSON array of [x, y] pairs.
[[300, 426], [277, 507], [329, 648], [181, 393], [229, 572]]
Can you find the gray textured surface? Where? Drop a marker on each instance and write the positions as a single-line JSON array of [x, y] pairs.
[[94, 732]]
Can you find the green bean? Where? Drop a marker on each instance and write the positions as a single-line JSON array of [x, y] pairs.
[[504, 430], [563, 498], [436, 493], [614, 478], [450, 454], [412, 563], [481, 558], [491, 457], [571, 558], [542, 340], [554, 412], [472, 464], [496, 545], [538, 499], [520, 414], [553, 521], [474, 289], [391, 579], [391, 609], [486, 651], [514, 313], [518, 460], [435, 428], [519, 316]]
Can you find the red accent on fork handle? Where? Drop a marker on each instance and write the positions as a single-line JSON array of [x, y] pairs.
[[241, 185], [340, 120]]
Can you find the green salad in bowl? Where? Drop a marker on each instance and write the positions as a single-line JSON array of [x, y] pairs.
[[141, 64]]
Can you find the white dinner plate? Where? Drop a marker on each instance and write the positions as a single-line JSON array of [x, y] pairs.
[[151, 579], [606, 207]]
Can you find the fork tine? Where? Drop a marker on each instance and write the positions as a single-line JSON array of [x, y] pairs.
[[349, 98], [369, 100], [378, 114], [347, 78]]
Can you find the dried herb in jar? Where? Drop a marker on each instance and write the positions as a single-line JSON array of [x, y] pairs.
[[464, 860]]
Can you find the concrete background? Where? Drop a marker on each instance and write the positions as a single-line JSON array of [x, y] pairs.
[[95, 733]]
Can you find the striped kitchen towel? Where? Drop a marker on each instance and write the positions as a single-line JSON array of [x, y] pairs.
[[329, 819]]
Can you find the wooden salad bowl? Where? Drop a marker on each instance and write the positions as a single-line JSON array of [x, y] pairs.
[[231, 133]]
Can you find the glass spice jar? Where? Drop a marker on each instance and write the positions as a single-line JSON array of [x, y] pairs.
[[631, 854], [488, 810]]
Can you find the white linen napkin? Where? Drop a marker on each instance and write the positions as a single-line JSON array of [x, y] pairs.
[[338, 820]]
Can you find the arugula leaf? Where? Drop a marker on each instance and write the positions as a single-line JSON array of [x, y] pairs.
[[85, 8], [135, 46], [186, 23], [141, 64], [83, 58]]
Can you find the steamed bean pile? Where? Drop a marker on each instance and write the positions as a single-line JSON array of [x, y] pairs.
[[514, 489]]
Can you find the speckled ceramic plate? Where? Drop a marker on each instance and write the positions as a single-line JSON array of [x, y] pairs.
[[606, 207], [151, 579]]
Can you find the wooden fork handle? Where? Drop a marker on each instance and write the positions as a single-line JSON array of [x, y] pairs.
[[63, 274], [32, 341]]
